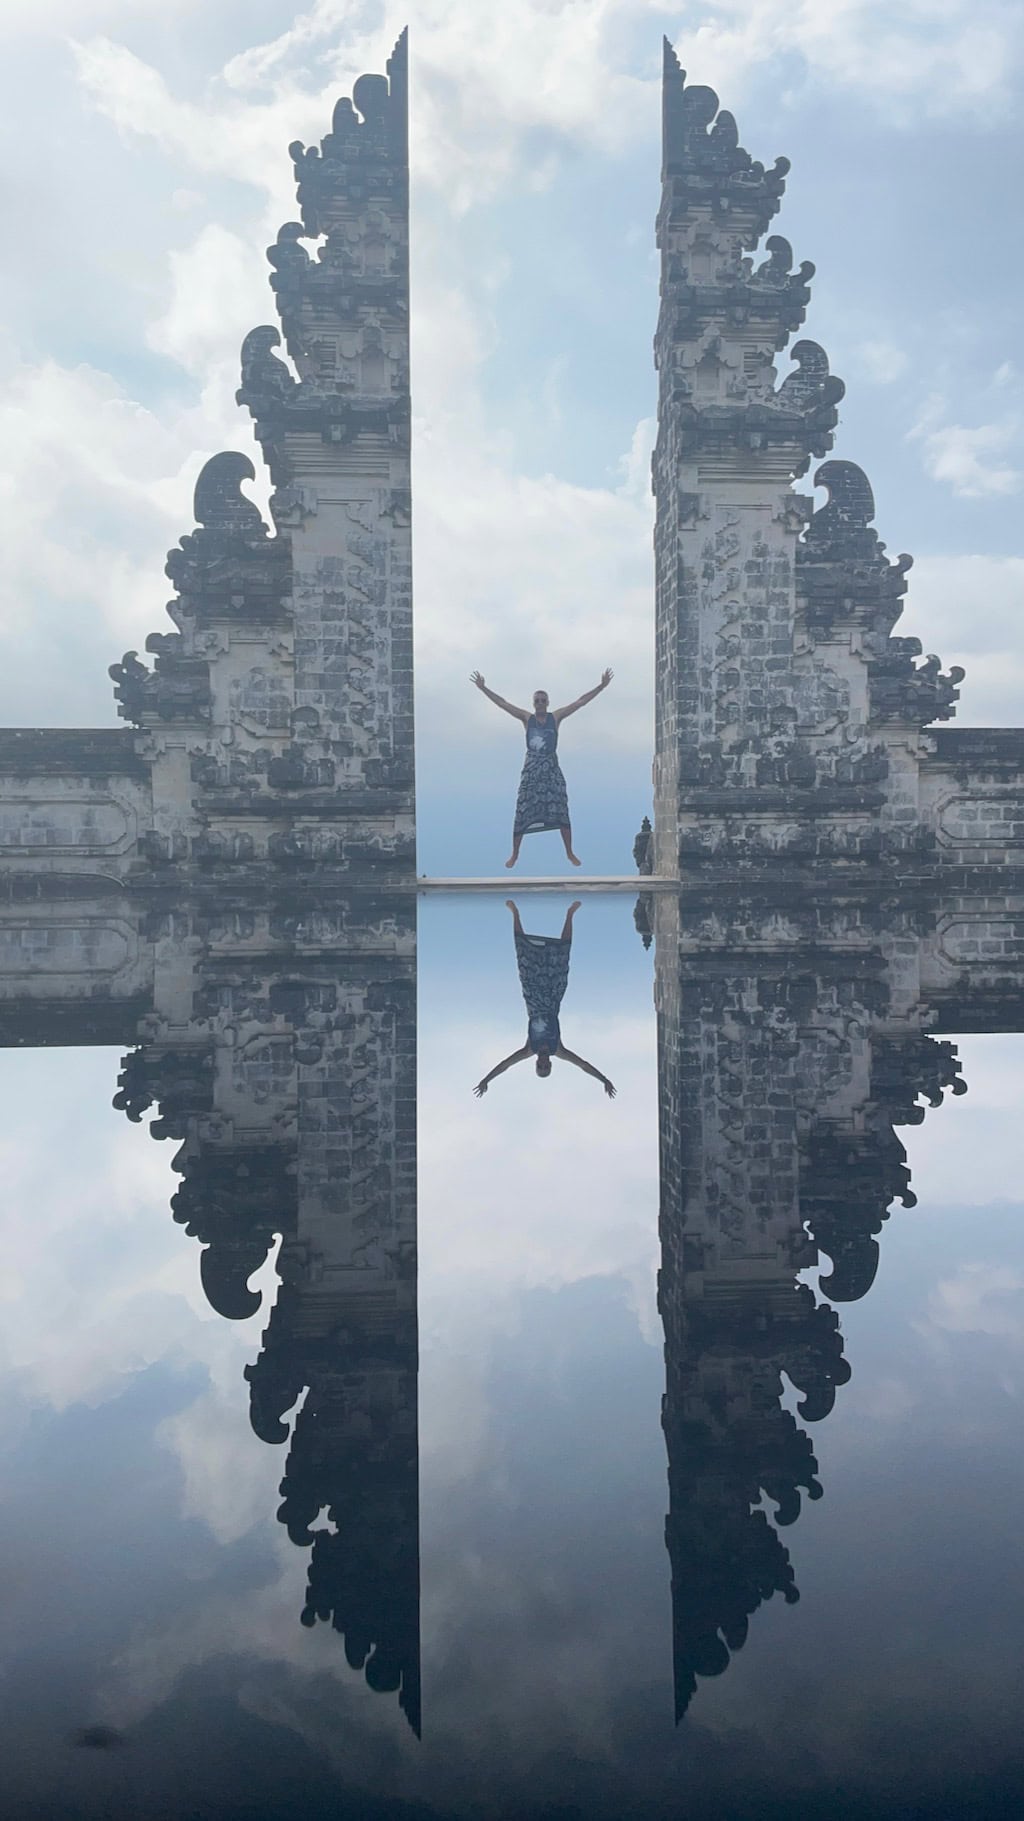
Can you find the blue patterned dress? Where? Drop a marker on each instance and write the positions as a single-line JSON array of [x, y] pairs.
[[543, 801], [543, 963]]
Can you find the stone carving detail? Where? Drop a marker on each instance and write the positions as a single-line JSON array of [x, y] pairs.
[[813, 393], [843, 574], [227, 571], [704, 153], [63, 825]]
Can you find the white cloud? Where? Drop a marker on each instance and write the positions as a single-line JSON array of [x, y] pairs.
[[967, 1155], [100, 488], [969, 609], [912, 57], [980, 1299], [216, 286], [881, 361], [555, 69], [98, 1283], [478, 94], [555, 1183], [527, 575], [960, 456]]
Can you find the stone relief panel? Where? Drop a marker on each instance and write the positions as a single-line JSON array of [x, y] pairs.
[[988, 940], [47, 951], [979, 820], [65, 825]]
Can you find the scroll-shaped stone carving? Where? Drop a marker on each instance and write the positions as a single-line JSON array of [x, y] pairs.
[[776, 272], [842, 568], [369, 130], [266, 380], [814, 392], [842, 525], [234, 1200], [219, 503], [230, 568], [843, 571], [179, 1082]]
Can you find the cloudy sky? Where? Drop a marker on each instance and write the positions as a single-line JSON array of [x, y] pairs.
[[145, 169]]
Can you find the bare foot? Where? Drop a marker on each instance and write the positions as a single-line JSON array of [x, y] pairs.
[[574, 860], [573, 908], [513, 860]]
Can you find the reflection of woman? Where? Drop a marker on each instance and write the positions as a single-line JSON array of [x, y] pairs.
[[543, 963], [542, 801]]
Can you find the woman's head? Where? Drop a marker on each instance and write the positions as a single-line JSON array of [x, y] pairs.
[[543, 1062], [540, 701]]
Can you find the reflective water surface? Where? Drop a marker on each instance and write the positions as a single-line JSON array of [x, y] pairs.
[[598, 1457]]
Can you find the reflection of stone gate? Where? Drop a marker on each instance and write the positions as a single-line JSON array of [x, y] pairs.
[[794, 1037], [228, 884]]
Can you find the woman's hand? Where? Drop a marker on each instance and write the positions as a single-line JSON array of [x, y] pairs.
[[475, 677], [606, 677], [480, 1089], [609, 1090]]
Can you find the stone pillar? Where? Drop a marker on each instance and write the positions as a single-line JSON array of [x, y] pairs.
[[337, 440], [789, 722]]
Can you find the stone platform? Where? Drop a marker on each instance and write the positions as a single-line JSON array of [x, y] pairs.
[[509, 883]]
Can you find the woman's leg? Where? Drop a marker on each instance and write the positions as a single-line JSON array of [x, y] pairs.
[[566, 834], [567, 925], [517, 842]]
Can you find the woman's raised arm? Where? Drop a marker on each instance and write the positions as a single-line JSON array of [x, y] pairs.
[[587, 1067], [516, 1056], [581, 702], [499, 701]]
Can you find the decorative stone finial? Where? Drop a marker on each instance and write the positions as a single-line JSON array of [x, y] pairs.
[[219, 503], [705, 153]]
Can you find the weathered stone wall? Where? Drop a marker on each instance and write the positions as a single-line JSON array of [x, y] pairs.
[[72, 801], [76, 963]]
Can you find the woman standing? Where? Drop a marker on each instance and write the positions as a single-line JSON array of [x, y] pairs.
[[542, 801]]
